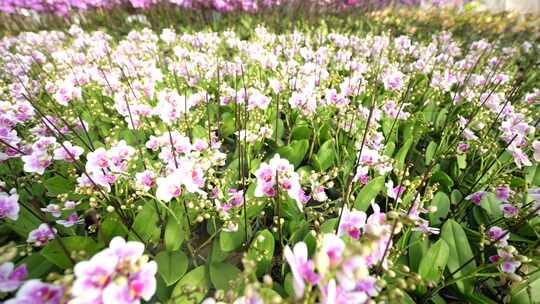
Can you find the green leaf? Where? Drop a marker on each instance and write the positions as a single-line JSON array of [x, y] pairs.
[[228, 124], [460, 253], [58, 185], [418, 247], [288, 285], [325, 132], [442, 202], [455, 197], [230, 241], [261, 251], [171, 265], [223, 274], [533, 175], [111, 227], [175, 233], [195, 279], [269, 295], [402, 153], [216, 254], [329, 226], [37, 265], [490, 204], [301, 132], [311, 243], [325, 156], [24, 224], [146, 224], [163, 292], [433, 263], [407, 299], [441, 177], [479, 298], [369, 192], [430, 152], [441, 118], [389, 149], [199, 131], [54, 253], [462, 161], [295, 151]]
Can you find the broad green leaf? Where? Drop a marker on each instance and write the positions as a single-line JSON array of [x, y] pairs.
[[111, 227], [311, 243], [441, 177], [462, 161], [389, 149], [295, 151], [175, 233], [301, 132], [171, 265], [146, 224], [441, 119], [298, 230], [455, 197], [402, 153], [261, 251], [223, 275], [216, 254], [407, 299], [490, 204], [434, 262], [288, 284], [442, 202], [58, 185], [198, 280], [24, 224], [533, 175], [230, 241], [460, 253], [478, 298], [369, 192], [325, 156], [198, 131], [329, 226], [163, 292], [269, 295], [325, 132], [54, 253], [227, 126], [418, 247], [437, 299], [37, 265], [430, 152]]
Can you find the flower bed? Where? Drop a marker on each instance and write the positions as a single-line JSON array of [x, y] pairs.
[[319, 165]]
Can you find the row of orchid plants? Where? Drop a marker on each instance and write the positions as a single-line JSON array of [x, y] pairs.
[[315, 166], [67, 7]]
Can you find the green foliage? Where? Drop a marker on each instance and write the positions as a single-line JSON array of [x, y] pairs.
[[461, 258], [171, 265], [59, 253], [369, 192]]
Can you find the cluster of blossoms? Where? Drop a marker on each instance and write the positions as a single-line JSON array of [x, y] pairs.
[[45, 150], [279, 175], [120, 273], [67, 7], [105, 167]]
